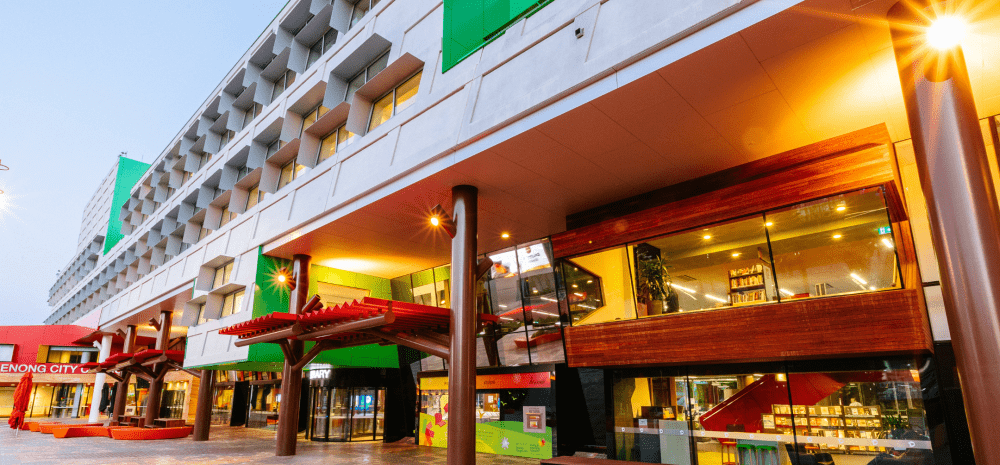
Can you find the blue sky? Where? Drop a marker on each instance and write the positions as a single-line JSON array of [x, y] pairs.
[[82, 82]]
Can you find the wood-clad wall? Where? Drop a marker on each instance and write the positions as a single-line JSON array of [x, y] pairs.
[[880, 323]]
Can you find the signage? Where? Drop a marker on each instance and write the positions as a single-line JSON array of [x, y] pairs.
[[55, 368], [885, 230], [492, 382], [534, 419], [322, 373], [533, 257]]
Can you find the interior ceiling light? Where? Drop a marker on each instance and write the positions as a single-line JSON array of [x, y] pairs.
[[841, 208], [505, 235], [946, 32], [736, 254], [858, 278], [769, 224], [682, 288], [887, 242], [786, 292], [706, 237], [710, 296], [837, 236]]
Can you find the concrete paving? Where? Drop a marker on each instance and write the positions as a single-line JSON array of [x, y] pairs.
[[227, 445]]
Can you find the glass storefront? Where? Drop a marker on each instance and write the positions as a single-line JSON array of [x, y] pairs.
[[48, 400], [845, 412], [222, 405], [837, 245], [348, 414], [264, 402], [173, 398]]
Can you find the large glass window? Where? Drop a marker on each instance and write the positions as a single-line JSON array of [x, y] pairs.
[[837, 245], [314, 115], [283, 82], [366, 75], [6, 352], [361, 8], [232, 303], [321, 46], [395, 101], [222, 275], [254, 196], [289, 172], [334, 141]]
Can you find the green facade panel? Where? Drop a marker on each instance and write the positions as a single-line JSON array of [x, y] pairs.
[[471, 24], [129, 173]]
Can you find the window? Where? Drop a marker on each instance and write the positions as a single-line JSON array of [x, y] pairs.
[[314, 115], [289, 172], [203, 233], [321, 46], [186, 176], [273, 147], [255, 196], [395, 101], [243, 172], [336, 140], [6, 352], [64, 356], [222, 275], [364, 76], [232, 303], [250, 113], [227, 216], [226, 137], [361, 9], [201, 314], [282, 83]]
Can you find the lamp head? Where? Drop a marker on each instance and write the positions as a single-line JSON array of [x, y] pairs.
[[946, 32]]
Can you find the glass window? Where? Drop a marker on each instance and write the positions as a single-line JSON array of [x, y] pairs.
[[203, 233], [6, 352], [360, 10], [250, 113], [227, 216], [381, 111], [283, 82], [377, 66], [711, 267], [289, 172], [344, 137], [328, 146], [222, 275], [254, 196], [354, 85], [406, 91], [836, 245], [508, 337], [541, 303], [314, 115], [321, 46], [273, 147], [232, 303], [603, 287]]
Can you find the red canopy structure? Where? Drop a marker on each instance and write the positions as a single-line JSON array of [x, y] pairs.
[[21, 395]]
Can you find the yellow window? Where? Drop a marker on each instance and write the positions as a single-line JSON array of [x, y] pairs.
[[381, 112], [328, 147], [406, 91]]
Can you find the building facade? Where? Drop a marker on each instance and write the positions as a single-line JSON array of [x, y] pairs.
[[708, 233]]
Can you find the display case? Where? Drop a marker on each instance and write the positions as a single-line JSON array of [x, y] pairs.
[[828, 421]]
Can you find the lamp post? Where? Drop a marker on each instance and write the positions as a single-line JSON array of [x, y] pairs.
[[965, 221]]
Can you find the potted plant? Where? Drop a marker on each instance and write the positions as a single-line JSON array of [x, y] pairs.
[[654, 289]]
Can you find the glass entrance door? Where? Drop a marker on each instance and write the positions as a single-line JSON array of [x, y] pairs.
[[321, 413], [363, 415], [348, 414], [340, 415]]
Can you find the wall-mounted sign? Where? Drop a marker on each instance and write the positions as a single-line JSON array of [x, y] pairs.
[[534, 419], [885, 230], [57, 368]]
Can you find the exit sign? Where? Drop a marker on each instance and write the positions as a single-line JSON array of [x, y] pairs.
[[885, 230]]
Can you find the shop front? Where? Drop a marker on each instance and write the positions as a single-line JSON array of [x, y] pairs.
[[264, 401], [772, 317], [350, 404]]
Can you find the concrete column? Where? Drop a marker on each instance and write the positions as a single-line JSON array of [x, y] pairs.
[[79, 390], [462, 369], [156, 385], [291, 379], [95, 399], [121, 392], [965, 221], [203, 410]]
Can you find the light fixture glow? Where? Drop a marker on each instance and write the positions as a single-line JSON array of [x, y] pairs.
[[706, 237], [786, 292], [769, 224], [575, 285], [282, 278], [887, 242], [505, 235], [736, 254], [682, 288], [837, 236], [435, 221], [550, 299], [873, 288], [858, 279], [710, 296], [946, 32], [841, 208]]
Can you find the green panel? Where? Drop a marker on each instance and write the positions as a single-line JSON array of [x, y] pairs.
[[402, 289], [422, 278], [471, 24], [270, 297], [129, 173]]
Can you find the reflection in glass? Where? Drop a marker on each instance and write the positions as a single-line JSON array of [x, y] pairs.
[[540, 301], [838, 245], [710, 267], [603, 287], [505, 296]]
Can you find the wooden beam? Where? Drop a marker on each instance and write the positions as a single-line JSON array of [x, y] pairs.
[[354, 326], [413, 341], [309, 356], [283, 334], [287, 350], [113, 376]]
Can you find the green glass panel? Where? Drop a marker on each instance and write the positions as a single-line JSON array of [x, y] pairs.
[[129, 173]]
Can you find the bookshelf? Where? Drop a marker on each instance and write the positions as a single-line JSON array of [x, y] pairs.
[[827, 421], [748, 285]]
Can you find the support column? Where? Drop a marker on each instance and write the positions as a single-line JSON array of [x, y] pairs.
[[156, 384], [291, 378], [462, 366], [99, 379], [965, 221], [121, 392], [79, 390], [203, 409]]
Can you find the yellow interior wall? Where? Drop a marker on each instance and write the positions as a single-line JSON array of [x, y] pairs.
[[641, 396], [612, 266]]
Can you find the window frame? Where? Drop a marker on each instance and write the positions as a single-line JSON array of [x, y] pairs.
[[392, 93], [227, 270], [237, 295]]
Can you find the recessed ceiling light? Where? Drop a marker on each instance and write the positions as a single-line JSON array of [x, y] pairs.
[[837, 236], [841, 208], [736, 254], [769, 224], [706, 237], [505, 235]]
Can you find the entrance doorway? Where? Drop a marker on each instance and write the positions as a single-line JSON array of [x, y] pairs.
[[347, 414]]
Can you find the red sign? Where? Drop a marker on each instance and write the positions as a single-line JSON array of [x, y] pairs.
[[514, 381], [36, 368]]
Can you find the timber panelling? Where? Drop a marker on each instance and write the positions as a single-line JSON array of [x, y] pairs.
[[880, 323]]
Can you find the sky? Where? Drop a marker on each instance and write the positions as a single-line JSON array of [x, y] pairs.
[[83, 82]]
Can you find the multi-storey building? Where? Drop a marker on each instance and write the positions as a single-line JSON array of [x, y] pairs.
[[706, 223]]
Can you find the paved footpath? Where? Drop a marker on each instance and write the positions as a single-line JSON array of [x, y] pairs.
[[226, 445]]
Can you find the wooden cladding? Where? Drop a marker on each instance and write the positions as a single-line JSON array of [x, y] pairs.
[[880, 323], [854, 161]]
